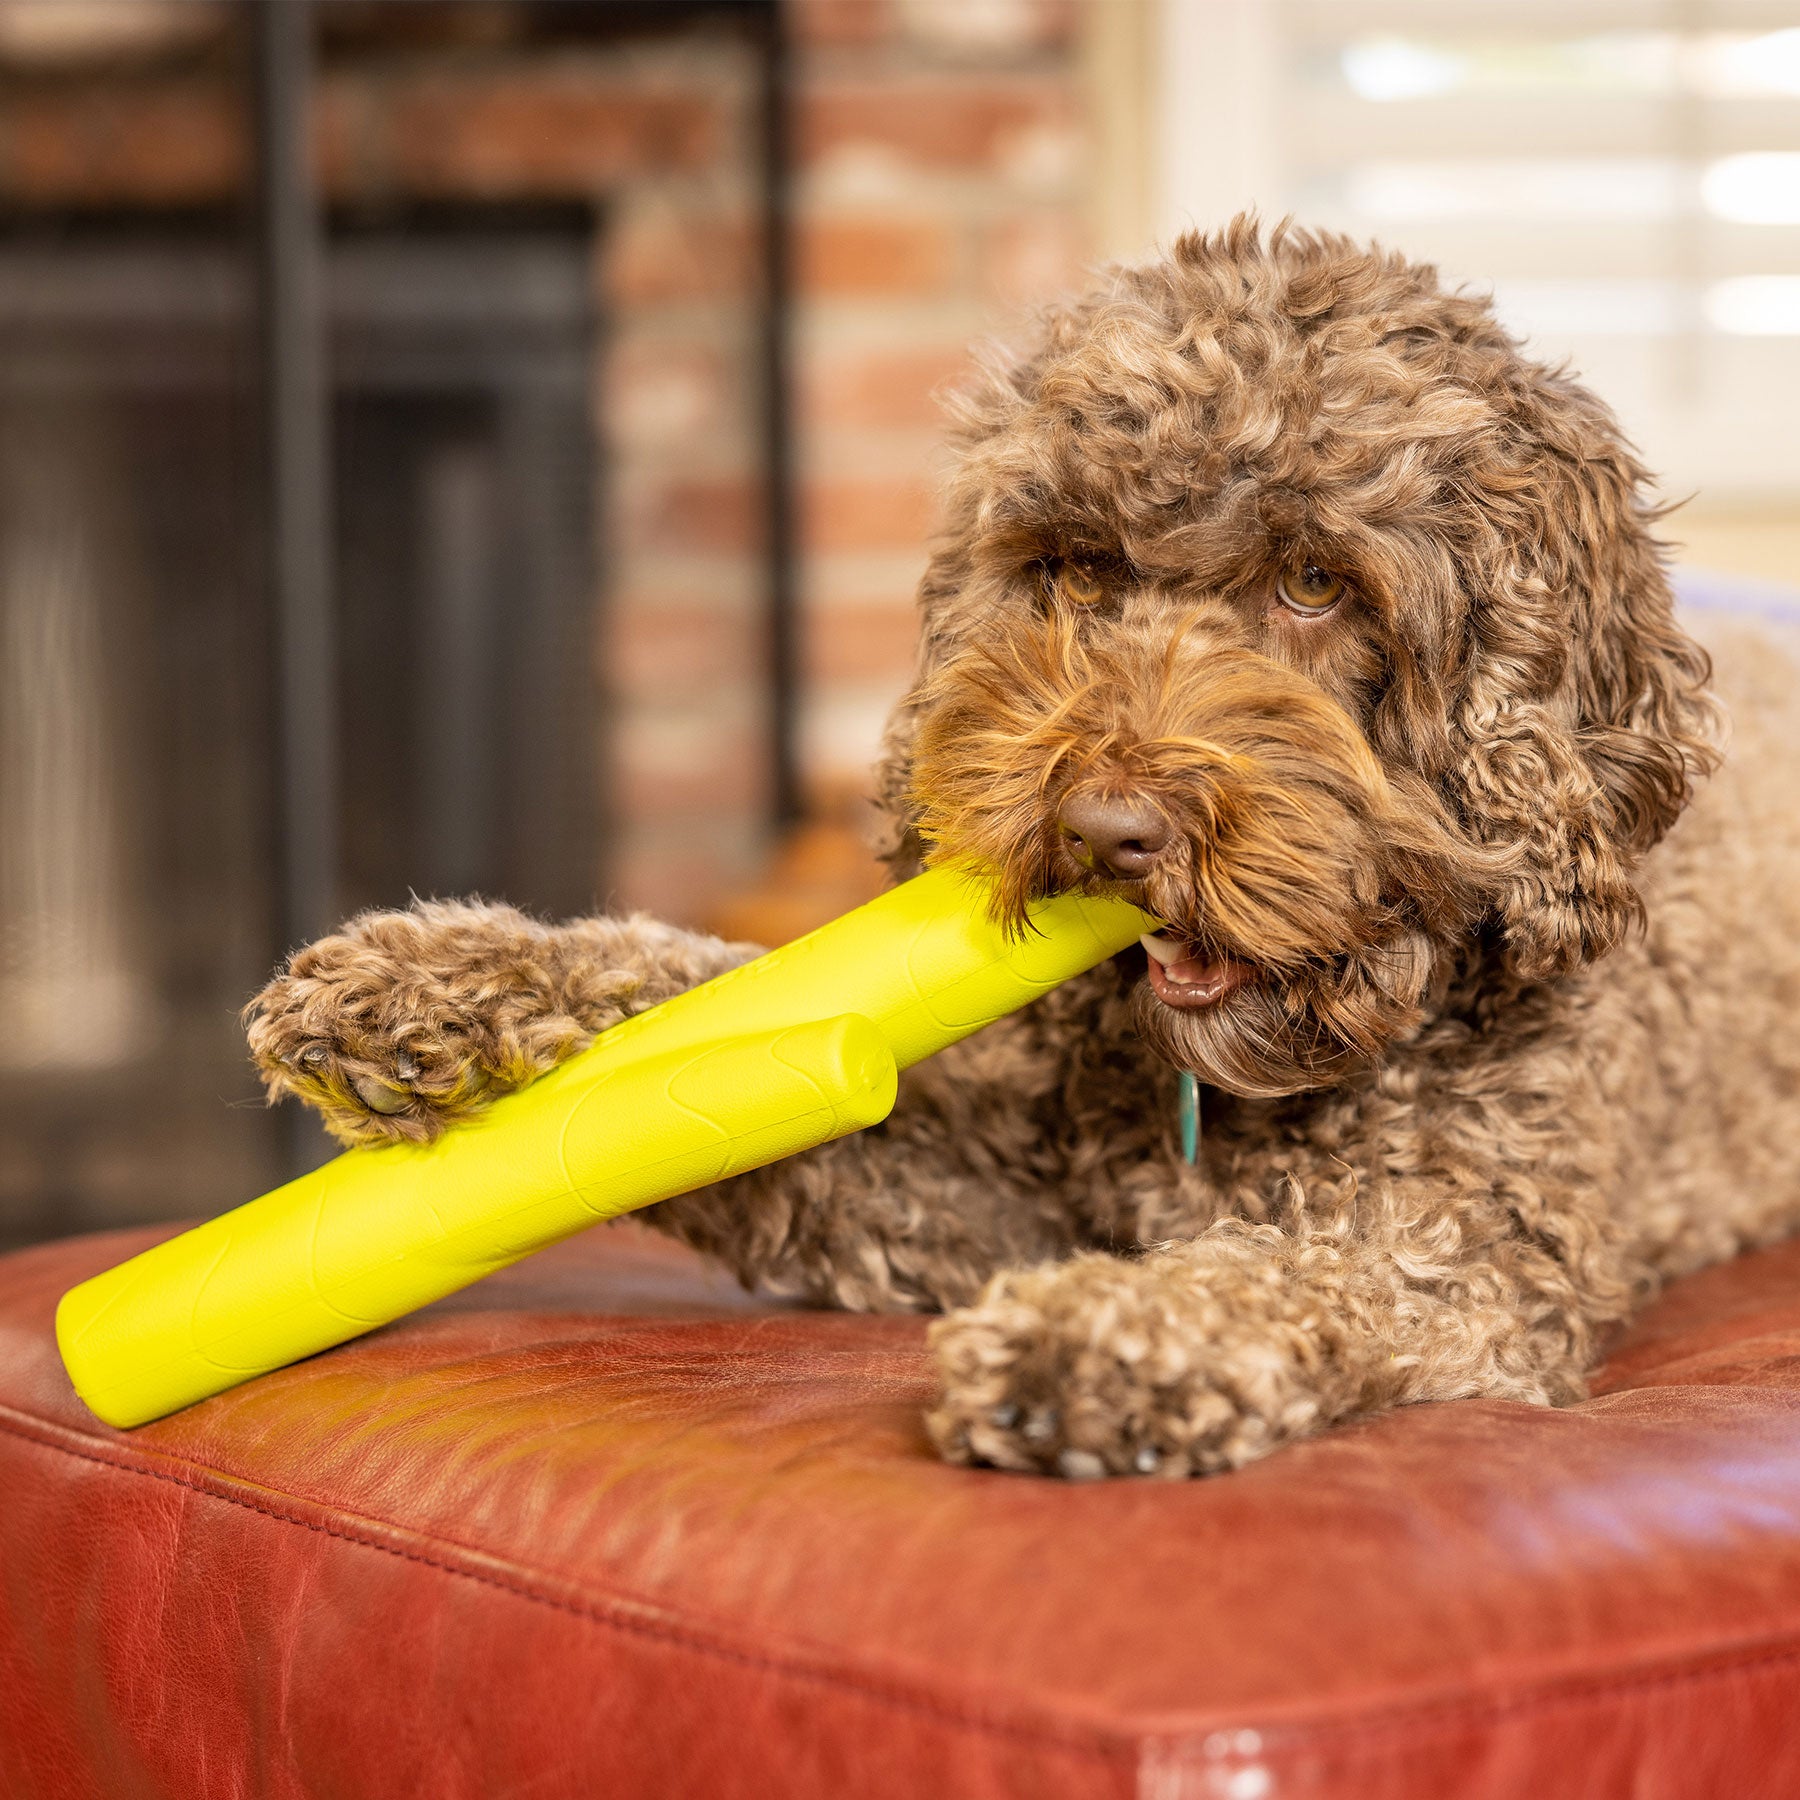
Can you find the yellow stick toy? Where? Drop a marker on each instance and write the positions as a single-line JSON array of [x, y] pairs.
[[800, 1046]]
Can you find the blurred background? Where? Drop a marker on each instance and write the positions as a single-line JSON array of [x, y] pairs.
[[489, 445]]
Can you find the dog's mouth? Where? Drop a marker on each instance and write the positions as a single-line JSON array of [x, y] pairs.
[[1187, 976]]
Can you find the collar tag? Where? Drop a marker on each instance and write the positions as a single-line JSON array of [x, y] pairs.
[[1187, 1114]]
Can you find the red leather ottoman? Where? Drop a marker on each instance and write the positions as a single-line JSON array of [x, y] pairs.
[[602, 1527]]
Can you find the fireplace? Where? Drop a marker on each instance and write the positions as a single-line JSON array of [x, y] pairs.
[[515, 537]]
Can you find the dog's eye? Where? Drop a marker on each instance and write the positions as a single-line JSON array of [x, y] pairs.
[[1310, 589], [1079, 586]]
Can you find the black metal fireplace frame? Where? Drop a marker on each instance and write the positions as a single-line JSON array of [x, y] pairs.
[[289, 233]]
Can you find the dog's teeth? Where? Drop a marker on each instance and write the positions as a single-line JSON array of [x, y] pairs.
[[1162, 947]]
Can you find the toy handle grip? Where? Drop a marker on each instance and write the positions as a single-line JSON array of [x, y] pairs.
[[769, 1059]]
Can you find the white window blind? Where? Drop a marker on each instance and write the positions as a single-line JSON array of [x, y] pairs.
[[1624, 176]]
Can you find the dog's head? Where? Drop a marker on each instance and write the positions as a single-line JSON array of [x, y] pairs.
[[1284, 595]]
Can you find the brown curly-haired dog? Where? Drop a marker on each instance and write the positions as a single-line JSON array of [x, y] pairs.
[[1283, 593]]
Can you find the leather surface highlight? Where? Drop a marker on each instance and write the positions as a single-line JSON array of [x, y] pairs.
[[602, 1524]]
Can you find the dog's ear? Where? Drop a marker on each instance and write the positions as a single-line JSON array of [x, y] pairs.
[[899, 843], [1585, 718], [996, 389]]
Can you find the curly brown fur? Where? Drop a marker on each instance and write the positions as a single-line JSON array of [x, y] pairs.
[[405, 1022], [1488, 1050], [1289, 842]]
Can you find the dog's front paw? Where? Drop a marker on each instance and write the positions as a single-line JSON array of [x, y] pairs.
[[1100, 1366], [405, 1022]]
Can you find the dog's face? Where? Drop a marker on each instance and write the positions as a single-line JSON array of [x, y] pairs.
[[1284, 596]]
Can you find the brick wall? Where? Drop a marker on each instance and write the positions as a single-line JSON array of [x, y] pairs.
[[940, 156], [941, 194], [660, 138]]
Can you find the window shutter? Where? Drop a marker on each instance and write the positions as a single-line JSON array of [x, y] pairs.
[[1624, 177]]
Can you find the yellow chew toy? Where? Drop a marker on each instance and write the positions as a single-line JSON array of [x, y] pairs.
[[801, 1046]]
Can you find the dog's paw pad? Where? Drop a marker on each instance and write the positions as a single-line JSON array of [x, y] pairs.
[[381, 1096], [367, 1087], [1080, 1465]]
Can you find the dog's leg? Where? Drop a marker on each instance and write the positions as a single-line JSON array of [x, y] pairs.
[[404, 1022], [962, 1180], [1204, 1355]]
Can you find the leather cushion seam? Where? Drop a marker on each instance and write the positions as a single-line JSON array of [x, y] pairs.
[[1344, 1742], [596, 1612], [1300, 1739]]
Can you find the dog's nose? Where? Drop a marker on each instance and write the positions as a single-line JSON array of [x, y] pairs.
[[1112, 834]]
